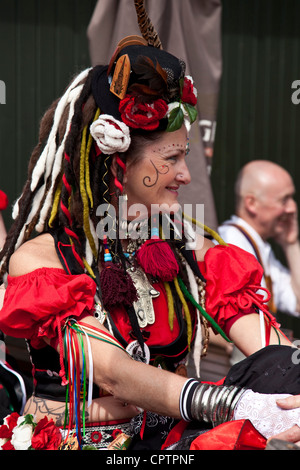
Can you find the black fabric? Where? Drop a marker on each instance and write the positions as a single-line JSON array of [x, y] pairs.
[[105, 100], [11, 392], [64, 251], [47, 382], [165, 59], [274, 369], [150, 431]]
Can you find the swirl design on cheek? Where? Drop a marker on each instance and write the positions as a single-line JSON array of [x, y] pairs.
[[147, 180]]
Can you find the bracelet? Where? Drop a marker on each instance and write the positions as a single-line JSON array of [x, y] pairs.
[[214, 404]]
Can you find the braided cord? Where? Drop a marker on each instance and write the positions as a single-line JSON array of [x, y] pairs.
[[186, 311], [202, 311], [206, 228]]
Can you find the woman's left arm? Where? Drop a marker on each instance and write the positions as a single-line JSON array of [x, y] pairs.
[[245, 332], [246, 335]]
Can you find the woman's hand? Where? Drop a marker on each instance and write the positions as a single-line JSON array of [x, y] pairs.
[[292, 434]]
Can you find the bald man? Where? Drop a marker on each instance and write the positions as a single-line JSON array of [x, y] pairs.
[[265, 210]]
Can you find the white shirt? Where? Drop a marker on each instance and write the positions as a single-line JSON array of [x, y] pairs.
[[284, 297]]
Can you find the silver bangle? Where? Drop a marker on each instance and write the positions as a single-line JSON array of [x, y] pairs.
[[214, 415], [235, 402], [224, 405], [196, 407], [215, 404]]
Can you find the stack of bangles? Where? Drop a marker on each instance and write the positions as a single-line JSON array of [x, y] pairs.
[[210, 403]]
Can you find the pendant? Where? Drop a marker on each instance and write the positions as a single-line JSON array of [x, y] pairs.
[[135, 350], [143, 306]]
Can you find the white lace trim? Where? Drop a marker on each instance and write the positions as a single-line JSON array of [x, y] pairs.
[[265, 415]]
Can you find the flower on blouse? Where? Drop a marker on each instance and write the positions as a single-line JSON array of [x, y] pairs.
[[46, 435], [23, 433]]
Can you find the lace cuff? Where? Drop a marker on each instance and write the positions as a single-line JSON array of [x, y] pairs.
[[265, 415]]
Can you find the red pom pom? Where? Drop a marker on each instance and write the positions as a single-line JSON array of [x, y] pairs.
[[156, 258], [3, 201], [116, 286]]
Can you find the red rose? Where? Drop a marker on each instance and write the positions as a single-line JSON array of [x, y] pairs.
[[5, 432], [188, 92], [6, 429], [141, 115], [46, 435], [8, 446]]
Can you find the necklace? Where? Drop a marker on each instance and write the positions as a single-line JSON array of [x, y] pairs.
[[135, 232]]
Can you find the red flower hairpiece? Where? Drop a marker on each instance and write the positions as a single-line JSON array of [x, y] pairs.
[[183, 111], [189, 94], [141, 115]]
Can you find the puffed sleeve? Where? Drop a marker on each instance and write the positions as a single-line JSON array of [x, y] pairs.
[[233, 279], [35, 301]]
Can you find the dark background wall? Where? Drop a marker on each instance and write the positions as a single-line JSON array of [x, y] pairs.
[[43, 43]]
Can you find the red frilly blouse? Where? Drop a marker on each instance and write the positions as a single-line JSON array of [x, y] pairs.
[[3, 200], [38, 303]]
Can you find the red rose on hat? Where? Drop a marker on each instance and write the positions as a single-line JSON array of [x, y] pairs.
[[140, 115], [189, 92]]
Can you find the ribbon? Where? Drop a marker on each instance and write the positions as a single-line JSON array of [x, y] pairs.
[[249, 297]]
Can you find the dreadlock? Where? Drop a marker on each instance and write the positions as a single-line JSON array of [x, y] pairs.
[[51, 196]]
